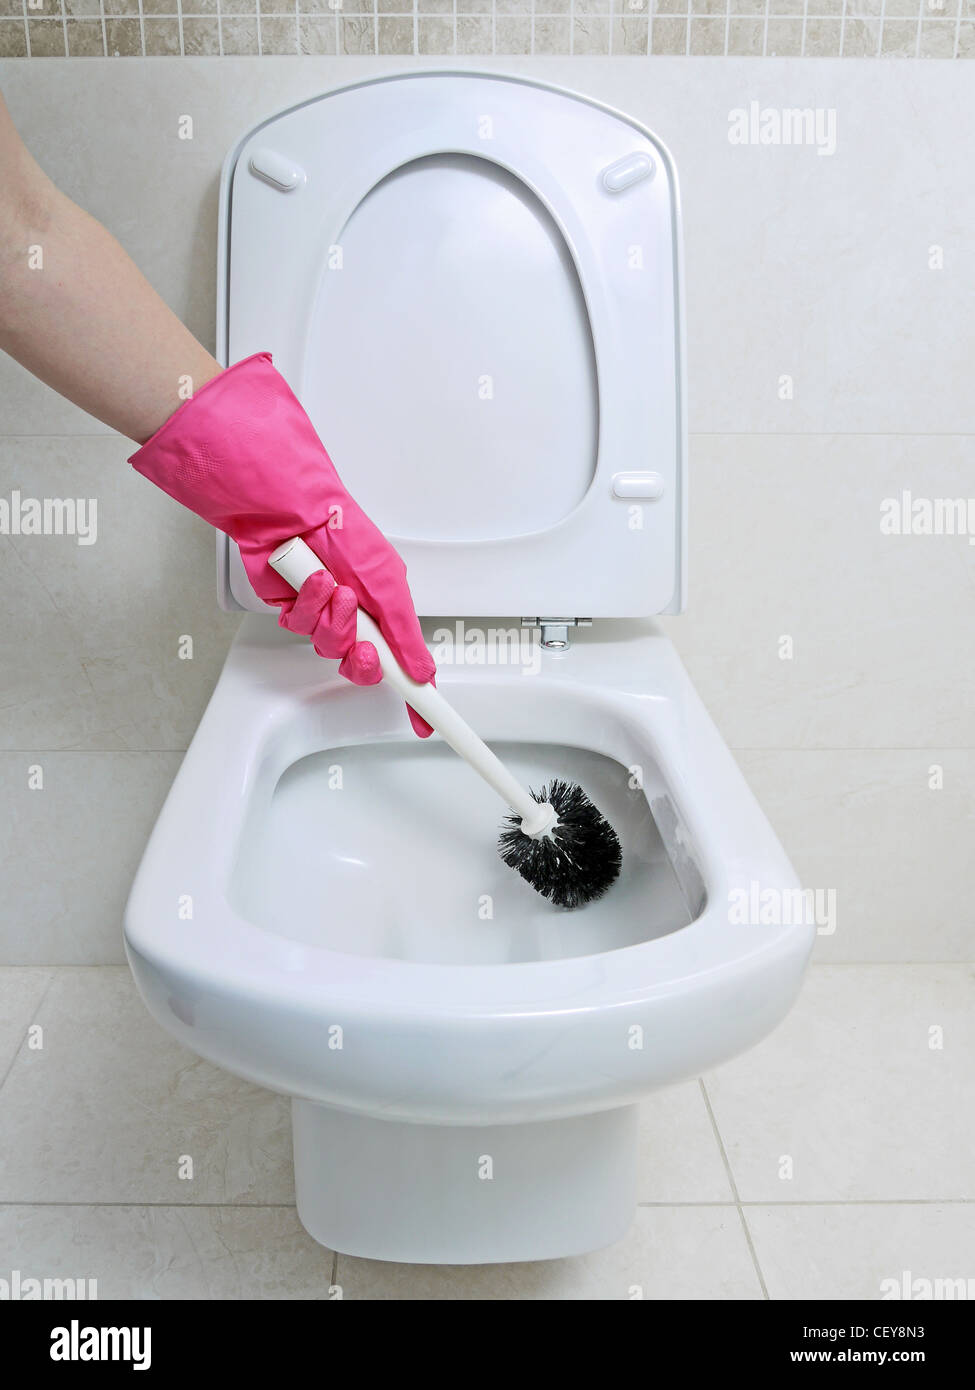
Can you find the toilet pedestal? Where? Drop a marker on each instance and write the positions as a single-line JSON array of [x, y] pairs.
[[444, 1194]]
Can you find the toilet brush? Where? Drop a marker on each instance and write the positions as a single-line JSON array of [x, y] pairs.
[[556, 839]]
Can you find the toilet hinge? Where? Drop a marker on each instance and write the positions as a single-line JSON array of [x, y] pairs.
[[555, 631]]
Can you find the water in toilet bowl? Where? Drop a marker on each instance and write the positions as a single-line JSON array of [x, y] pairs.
[[389, 851]]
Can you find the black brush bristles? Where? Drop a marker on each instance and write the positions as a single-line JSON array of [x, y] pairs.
[[577, 861]]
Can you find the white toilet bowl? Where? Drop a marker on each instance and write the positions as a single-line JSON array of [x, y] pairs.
[[321, 908]]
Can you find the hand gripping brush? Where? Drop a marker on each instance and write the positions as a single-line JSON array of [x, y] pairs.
[[556, 838]]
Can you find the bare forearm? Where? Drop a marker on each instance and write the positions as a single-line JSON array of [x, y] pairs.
[[77, 312]]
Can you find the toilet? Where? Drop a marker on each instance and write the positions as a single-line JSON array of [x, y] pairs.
[[473, 283]]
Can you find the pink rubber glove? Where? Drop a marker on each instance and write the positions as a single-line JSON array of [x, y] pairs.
[[244, 455]]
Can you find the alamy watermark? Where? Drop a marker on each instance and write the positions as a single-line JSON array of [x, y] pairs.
[[920, 1290], [50, 516], [908, 515], [784, 125], [756, 906], [493, 646], [23, 1287]]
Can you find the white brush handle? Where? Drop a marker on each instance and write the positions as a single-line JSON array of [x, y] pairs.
[[295, 561]]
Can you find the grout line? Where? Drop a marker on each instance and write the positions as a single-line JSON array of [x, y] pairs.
[[641, 1206], [334, 1277], [177, 1206], [954, 52], [720, 1142], [142, 30], [734, 1187], [823, 1202]]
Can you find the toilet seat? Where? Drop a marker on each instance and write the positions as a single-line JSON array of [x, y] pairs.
[[589, 201]]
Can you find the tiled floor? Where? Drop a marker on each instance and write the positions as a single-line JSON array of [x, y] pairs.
[[838, 1154]]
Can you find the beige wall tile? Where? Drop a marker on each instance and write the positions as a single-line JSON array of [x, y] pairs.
[[898, 38], [707, 37], [85, 38], [869, 826], [937, 38], [238, 36], [71, 849], [161, 37], [13, 38], [317, 35], [630, 34], [551, 35], [396, 35], [669, 36], [823, 37], [435, 35], [861, 38], [784, 38], [590, 35], [279, 34], [46, 38], [746, 37], [201, 37], [123, 38], [875, 661], [102, 622], [512, 35], [358, 35], [475, 34]]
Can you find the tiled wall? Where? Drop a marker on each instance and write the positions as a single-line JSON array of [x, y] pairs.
[[772, 28]]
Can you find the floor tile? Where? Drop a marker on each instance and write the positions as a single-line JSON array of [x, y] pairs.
[[168, 1252], [669, 1253], [20, 993], [680, 1159], [110, 1106], [852, 1252], [865, 1092]]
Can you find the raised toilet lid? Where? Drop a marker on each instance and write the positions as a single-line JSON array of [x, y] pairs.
[[472, 283]]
